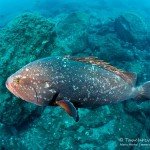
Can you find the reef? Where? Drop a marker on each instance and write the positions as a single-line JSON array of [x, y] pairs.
[[29, 37]]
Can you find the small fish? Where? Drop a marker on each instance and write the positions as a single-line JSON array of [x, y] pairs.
[[73, 83]]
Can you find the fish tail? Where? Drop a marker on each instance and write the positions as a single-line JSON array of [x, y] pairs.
[[144, 91]]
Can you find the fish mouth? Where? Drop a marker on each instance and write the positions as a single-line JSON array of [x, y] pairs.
[[9, 86], [12, 88]]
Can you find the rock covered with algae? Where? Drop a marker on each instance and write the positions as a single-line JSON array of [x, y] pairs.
[[132, 28], [26, 126], [25, 39], [72, 32]]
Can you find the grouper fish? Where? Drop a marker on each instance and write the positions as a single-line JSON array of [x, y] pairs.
[[73, 83]]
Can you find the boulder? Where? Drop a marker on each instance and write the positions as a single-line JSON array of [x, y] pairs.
[[131, 28]]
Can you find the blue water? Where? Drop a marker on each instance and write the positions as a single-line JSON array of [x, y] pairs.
[[115, 31], [10, 9]]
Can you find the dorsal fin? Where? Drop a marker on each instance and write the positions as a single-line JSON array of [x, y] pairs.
[[129, 77]]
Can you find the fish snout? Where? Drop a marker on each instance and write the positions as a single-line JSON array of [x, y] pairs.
[[8, 82], [10, 86]]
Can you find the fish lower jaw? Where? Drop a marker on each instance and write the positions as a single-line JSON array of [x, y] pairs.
[[13, 91]]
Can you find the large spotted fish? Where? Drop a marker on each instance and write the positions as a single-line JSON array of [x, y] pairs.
[[72, 83]]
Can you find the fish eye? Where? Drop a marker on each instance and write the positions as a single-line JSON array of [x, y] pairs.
[[17, 80]]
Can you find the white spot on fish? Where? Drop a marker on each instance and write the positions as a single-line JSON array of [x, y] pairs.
[[18, 76], [75, 87], [47, 85], [27, 69], [52, 90]]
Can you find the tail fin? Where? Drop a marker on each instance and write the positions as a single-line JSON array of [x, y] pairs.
[[144, 91]]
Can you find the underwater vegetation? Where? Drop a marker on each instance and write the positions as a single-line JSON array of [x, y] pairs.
[[123, 41]]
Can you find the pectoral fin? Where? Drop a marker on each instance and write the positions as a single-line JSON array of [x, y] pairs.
[[69, 108]]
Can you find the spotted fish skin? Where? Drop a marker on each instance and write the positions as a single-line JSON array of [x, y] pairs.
[[84, 84]]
